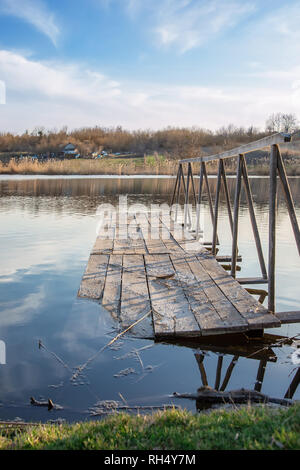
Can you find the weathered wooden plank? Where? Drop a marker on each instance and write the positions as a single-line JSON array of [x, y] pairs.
[[135, 234], [135, 301], [288, 317], [112, 291], [253, 218], [207, 317], [233, 321], [171, 311], [173, 237], [245, 148], [103, 246], [288, 198], [252, 311], [93, 280], [272, 227], [151, 235], [129, 239], [227, 258], [251, 280], [184, 239]]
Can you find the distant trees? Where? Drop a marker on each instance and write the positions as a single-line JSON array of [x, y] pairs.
[[281, 122], [174, 142]]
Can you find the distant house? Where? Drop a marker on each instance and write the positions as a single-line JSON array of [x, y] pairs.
[[70, 149]]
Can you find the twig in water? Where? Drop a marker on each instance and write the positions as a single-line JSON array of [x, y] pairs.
[[81, 368], [279, 342], [42, 346], [123, 399]]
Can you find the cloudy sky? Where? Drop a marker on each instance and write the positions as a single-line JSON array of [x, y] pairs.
[[147, 63]]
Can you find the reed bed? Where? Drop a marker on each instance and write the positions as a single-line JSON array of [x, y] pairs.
[[89, 167], [149, 165]]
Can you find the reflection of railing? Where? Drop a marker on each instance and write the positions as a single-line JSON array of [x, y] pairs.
[[233, 349], [259, 377], [276, 166]]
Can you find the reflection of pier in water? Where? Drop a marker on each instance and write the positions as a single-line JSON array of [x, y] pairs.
[[237, 347]]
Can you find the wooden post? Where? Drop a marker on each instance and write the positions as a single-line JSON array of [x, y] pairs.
[[227, 196], [215, 224], [193, 184], [288, 198], [237, 198], [187, 190], [175, 187], [178, 191], [253, 218], [272, 227], [199, 199], [211, 210]]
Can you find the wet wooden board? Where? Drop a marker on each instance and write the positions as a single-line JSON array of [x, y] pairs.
[[171, 310], [112, 291], [184, 239], [233, 321], [103, 246], [152, 235], [205, 313], [251, 310], [135, 302], [173, 278], [93, 280], [133, 244], [289, 317]]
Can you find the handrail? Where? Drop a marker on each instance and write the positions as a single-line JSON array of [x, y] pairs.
[[278, 138], [277, 168]]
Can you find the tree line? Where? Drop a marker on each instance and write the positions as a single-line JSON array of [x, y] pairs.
[[171, 141]]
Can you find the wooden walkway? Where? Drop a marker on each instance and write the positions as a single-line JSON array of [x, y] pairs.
[[170, 279]]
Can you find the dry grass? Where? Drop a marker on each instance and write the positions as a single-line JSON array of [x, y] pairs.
[[150, 165], [90, 167]]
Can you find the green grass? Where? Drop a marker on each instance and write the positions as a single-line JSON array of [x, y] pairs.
[[251, 428]]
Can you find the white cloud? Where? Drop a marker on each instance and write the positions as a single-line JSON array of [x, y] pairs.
[[55, 94], [54, 80], [34, 12], [186, 24]]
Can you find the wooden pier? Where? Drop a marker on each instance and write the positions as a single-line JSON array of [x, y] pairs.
[[157, 279]]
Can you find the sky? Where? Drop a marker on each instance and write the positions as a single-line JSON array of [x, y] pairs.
[[147, 64]]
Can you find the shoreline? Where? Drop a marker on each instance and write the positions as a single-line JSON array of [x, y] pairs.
[[110, 168], [29, 176]]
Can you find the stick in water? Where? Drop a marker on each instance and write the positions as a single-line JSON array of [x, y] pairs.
[[81, 368]]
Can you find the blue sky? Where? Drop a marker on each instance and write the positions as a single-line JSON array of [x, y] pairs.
[[147, 63]]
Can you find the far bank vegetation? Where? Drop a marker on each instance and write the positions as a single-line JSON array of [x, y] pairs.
[[153, 151]]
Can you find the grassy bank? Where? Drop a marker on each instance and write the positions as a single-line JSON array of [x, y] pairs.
[[245, 428]]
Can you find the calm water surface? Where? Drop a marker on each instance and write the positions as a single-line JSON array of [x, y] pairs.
[[48, 227]]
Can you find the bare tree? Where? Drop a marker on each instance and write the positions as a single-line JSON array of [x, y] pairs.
[[281, 122]]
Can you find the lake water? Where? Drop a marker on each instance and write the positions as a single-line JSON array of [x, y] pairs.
[[48, 227]]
